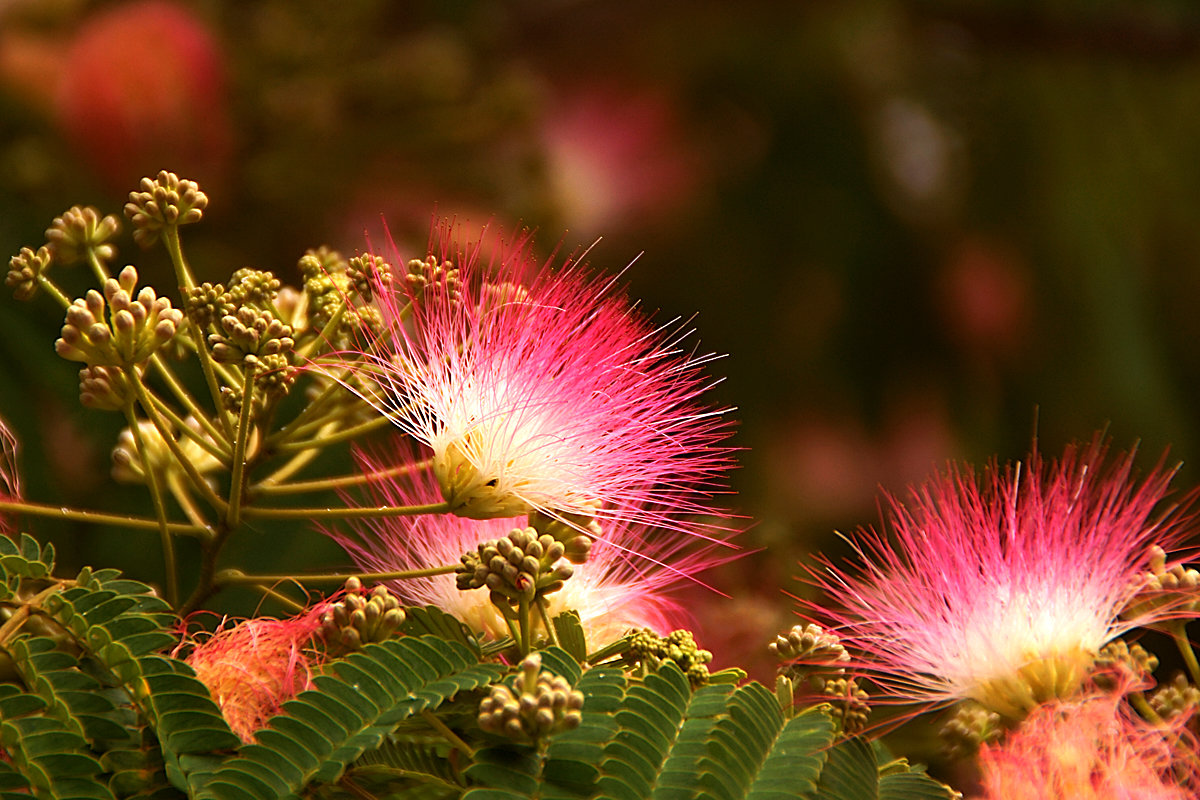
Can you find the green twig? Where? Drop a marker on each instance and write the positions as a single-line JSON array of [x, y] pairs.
[[235, 577], [237, 481], [357, 512], [185, 399], [1178, 630], [101, 518], [449, 735], [344, 435], [269, 485], [160, 508]]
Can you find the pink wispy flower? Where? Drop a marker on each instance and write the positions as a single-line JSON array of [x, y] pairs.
[[1090, 748], [1003, 587], [253, 666], [625, 583], [543, 389]]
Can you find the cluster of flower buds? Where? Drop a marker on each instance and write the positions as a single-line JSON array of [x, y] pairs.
[[1174, 699], [328, 286], [129, 468], [538, 705], [519, 567], [806, 648], [431, 277], [24, 269], [1177, 587], [81, 230], [848, 702], [368, 273], [249, 332], [105, 388], [679, 646], [123, 331], [207, 303], [970, 726], [575, 531], [162, 203], [360, 617], [1118, 663]]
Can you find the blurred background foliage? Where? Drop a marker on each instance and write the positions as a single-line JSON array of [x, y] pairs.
[[919, 230]]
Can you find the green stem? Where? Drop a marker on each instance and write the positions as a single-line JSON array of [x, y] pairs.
[[161, 407], [185, 399], [235, 577], [101, 518], [290, 467], [260, 512], [168, 437], [98, 267], [343, 435], [1178, 630], [525, 623], [1138, 701], [184, 498], [304, 352], [160, 507], [237, 484], [51, 288], [282, 598], [446, 733], [170, 237], [544, 612], [269, 486]]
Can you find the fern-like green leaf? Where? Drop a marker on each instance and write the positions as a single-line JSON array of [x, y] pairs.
[[351, 709], [851, 773], [431, 620]]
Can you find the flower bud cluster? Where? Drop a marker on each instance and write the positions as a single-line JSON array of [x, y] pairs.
[[575, 531], [128, 467], [1118, 661], [848, 702], [249, 332], [970, 726], [538, 705], [679, 646], [432, 277], [161, 203], [521, 566], [810, 645], [1158, 587], [105, 388], [24, 269], [80, 229], [368, 273], [115, 329], [1176, 698], [360, 617]]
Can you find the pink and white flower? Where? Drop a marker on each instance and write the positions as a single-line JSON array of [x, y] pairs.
[[539, 389], [1003, 587], [1091, 748]]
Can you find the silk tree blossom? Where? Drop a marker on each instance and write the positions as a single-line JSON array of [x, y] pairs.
[[1090, 748], [540, 389], [1003, 587], [254, 666], [625, 582]]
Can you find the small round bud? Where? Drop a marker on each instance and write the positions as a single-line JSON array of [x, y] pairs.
[[81, 229], [166, 201], [24, 269]]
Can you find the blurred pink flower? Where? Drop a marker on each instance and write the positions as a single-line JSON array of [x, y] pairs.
[[1091, 748], [625, 583], [143, 86], [617, 157], [254, 666], [1002, 589], [554, 395]]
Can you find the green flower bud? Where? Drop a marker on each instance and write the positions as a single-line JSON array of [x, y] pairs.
[[163, 202], [80, 229], [134, 330], [24, 269]]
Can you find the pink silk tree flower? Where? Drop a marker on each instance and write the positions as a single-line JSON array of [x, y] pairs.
[[254, 666], [1003, 587], [625, 582], [1090, 748], [540, 389]]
